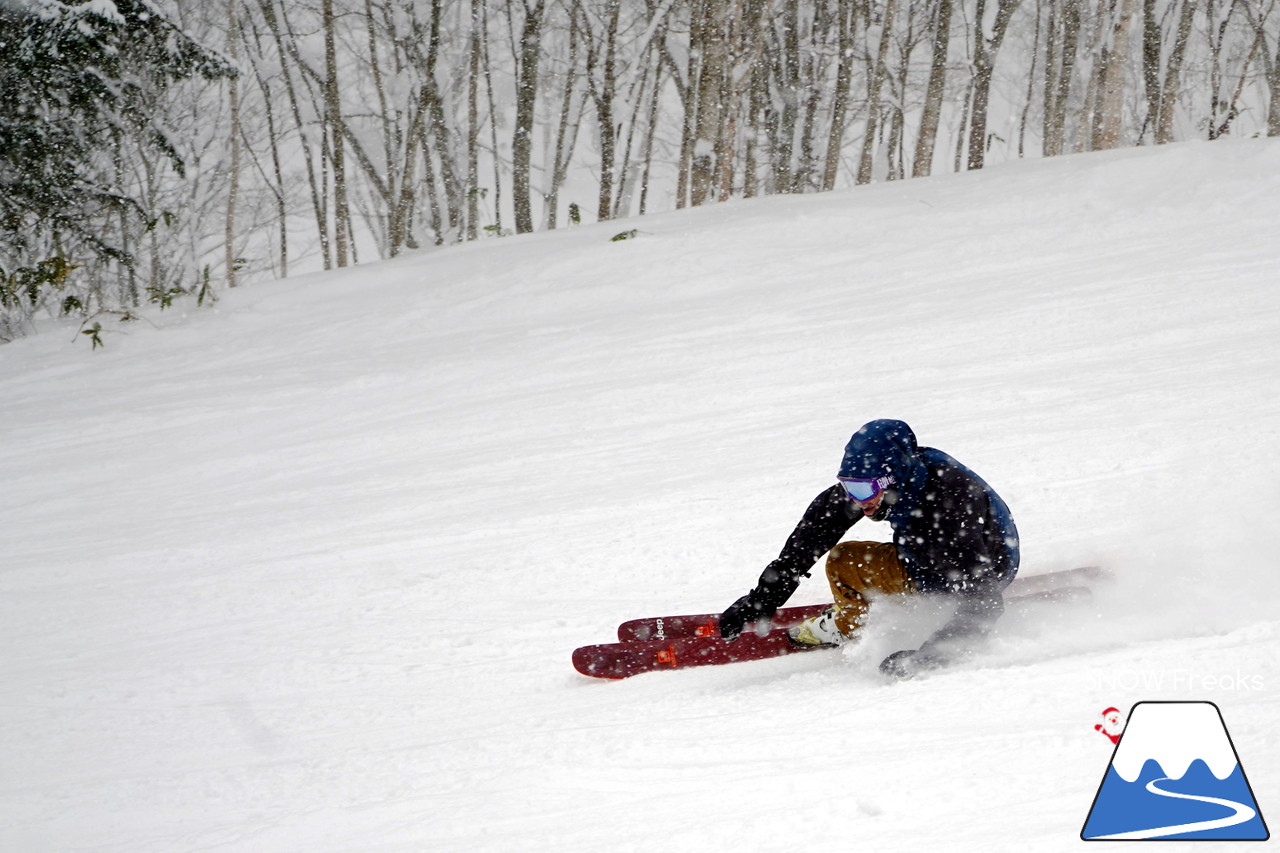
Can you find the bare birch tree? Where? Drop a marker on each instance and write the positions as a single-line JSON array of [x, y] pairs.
[[876, 80], [1116, 80], [233, 183], [337, 144], [985, 50], [528, 55], [922, 162]]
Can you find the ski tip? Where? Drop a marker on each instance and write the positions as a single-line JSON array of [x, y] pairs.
[[1096, 573], [587, 661]]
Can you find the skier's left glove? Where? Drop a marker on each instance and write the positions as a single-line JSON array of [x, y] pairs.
[[909, 663]]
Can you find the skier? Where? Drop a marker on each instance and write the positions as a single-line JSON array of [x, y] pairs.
[[952, 535]]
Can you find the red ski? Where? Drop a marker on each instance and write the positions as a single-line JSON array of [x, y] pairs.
[[704, 624], [680, 642], [708, 624], [621, 660]]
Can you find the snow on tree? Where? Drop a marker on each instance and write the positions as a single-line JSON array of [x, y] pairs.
[[80, 84]]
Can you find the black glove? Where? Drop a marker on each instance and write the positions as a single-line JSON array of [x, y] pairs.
[[777, 582], [909, 663], [742, 611]]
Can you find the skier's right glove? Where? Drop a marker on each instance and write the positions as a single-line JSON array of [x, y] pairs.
[[742, 611], [775, 587]]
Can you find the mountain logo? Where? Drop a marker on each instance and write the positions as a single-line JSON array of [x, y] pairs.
[[1175, 775]]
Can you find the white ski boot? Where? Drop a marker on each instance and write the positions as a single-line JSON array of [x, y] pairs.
[[817, 630]]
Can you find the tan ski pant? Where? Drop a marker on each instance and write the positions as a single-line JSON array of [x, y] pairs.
[[859, 571]]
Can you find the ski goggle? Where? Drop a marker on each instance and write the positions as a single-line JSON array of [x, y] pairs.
[[863, 490]]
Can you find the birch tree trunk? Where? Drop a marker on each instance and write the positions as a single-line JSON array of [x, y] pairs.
[[1273, 104], [473, 121], [233, 179], [711, 37], [1060, 59], [604, 112], [333, 119], [873, 96], [985, 51], [1173, 73], [922, 162], [786, 176], [840, 98], [1117, 77], [530, 49], [565, 141]]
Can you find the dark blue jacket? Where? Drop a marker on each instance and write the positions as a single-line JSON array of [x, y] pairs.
[[953, 533]]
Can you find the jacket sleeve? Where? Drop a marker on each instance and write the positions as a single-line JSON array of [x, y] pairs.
[[827, 519]]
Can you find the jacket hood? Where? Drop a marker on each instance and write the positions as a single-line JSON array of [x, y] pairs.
[[887, 447], [882, 447]]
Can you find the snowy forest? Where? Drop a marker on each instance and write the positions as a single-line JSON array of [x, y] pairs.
[[153, 151]]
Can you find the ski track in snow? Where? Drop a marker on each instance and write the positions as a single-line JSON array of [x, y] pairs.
[[304, 572], [1241, 813]]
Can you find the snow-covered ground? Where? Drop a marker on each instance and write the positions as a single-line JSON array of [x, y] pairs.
[[303, 573]]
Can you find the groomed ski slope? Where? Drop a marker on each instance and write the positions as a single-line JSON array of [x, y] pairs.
[[303, 572]]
